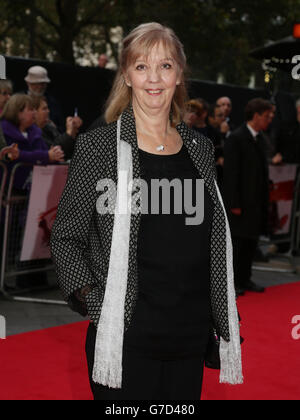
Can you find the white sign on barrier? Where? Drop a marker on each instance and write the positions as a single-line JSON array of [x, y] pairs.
[[2, 328], [282, 183], [2, 67], [48, 183]]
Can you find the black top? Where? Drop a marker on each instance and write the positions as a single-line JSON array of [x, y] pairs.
[[172, 315]]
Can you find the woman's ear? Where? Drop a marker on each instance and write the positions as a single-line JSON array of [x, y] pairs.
[[126, 79], [179, 78]]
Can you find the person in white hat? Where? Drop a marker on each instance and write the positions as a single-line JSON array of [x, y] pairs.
[[37, 81]]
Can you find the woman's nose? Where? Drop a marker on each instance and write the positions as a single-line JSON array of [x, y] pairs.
[[154, 75]]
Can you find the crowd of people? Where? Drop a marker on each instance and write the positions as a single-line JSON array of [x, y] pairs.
[[33, 130], [243, 152]]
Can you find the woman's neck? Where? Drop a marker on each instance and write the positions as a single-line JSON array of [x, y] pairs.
[[155, 125], [23, 128]]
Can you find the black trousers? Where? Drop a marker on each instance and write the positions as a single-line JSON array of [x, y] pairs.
[[148, 379], [243, 256]]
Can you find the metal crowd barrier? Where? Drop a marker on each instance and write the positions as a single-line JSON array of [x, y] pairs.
[[3, 178], [292, 239], [16, 207]]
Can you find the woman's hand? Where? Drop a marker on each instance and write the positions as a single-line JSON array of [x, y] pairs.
[[73, 125], [56, 154], [11, 151], [77, 122], [277, 159]]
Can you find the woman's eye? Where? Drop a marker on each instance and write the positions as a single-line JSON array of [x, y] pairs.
[[167, 66], [141, 67]]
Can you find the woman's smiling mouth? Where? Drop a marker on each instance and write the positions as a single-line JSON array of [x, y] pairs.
[[154, 92]]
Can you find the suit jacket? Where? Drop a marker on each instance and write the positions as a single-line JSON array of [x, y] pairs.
[[81, 238], [246, 183]]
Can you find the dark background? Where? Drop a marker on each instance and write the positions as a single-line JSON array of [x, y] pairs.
[[87, 89]]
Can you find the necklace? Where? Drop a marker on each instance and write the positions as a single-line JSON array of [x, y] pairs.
[[160, 148]]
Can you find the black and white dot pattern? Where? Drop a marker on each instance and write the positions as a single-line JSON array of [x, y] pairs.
[[81, 237]]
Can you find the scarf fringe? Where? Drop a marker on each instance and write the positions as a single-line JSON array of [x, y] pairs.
[[107, 374], [231, 366]]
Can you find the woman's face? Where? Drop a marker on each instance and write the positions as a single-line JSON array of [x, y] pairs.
[[153, 80], [42, 115], [5, 94], [27, 117], [190, 118]]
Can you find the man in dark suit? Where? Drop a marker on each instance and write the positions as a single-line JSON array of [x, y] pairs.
[[225, 105], [246, 189]]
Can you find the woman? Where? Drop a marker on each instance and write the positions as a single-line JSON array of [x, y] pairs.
[[153, 285], [18, 125], [25, 138], [50, 133], [196, 114], [6, 152]]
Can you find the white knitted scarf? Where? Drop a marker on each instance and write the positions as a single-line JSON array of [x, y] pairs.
[[110, 333]]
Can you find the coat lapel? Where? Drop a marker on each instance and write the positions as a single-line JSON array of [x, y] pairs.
[[200, 157]]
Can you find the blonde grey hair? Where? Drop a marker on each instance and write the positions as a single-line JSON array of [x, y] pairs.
[[144, 38], [6, 85]]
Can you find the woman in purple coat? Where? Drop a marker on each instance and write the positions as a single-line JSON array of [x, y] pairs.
[[18, 126]]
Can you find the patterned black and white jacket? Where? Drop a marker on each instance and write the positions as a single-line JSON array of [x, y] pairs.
[[81, 238]]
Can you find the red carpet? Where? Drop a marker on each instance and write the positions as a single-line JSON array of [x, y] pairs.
[[271, 357], [50, 364], [45, 365]]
